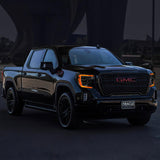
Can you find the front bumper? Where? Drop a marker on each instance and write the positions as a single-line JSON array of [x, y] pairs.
[[113, 110], [111, 106], [149, 102]]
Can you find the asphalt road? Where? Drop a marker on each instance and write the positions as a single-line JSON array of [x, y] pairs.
[[36, 135]]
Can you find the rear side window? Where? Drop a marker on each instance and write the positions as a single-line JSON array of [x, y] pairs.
[[36, 59]]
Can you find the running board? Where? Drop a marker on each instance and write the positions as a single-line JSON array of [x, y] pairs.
[[39, 108]]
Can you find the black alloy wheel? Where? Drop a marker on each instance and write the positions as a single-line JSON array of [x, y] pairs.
[[66, 114]]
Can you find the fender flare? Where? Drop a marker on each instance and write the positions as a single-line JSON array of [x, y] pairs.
[[67, 85], [11, 81]]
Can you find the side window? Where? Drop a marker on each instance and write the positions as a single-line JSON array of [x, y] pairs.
[[51, 57], [36, 59]]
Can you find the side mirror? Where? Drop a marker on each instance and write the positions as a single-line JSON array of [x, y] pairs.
[[129, 63], [48, 66], [147, 65]]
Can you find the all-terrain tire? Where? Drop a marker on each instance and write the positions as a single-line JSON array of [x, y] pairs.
[[140, 119], [67, 116]]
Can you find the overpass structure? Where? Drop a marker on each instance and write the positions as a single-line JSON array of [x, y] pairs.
[[49, 22]]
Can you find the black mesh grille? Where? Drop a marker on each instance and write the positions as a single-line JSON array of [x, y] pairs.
[[111, 86]]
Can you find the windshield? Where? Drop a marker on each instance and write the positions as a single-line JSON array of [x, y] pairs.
[[92, 56]]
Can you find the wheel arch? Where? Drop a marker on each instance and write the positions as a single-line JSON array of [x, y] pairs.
[[9, 83], [62, 88]]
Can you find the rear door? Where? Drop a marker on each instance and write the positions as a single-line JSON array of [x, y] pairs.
[[30, 76]]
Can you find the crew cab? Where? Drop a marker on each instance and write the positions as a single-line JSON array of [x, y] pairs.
[[80, 82]]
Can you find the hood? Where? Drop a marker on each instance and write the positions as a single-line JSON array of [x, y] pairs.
[[102, 68]]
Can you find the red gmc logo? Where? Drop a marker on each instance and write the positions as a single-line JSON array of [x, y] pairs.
[[125, 80]]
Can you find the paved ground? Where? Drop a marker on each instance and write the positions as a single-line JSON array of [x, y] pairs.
[[37, 136]]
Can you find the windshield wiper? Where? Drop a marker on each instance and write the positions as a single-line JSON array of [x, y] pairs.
[[97, 66], [90, 67]]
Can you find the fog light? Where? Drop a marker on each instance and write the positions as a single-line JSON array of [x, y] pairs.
[[85, 97]]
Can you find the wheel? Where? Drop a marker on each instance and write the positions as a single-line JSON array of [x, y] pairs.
[[14, 104], [66, 113], [140, 119]]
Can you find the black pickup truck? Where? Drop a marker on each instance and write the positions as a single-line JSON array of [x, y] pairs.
[[80, 82]]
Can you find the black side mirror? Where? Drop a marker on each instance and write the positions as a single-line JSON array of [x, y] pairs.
[[48, 66], [129, 63], [147, 65]]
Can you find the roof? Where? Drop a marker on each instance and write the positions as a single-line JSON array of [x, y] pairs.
[[55, 46], [65, 47]]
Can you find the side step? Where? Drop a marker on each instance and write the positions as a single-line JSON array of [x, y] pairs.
[[39, 108]]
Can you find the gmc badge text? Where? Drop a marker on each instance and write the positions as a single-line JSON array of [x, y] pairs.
[[80, 83]]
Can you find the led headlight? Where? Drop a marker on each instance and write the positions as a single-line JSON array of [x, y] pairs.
[[86, 81], [152, 80]]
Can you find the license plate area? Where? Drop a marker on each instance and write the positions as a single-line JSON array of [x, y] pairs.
[[128, 105]]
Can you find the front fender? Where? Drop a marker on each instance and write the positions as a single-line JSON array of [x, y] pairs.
[[69, 86]]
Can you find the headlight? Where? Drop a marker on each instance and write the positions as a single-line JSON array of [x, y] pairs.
[[152, 82], [86, 81]]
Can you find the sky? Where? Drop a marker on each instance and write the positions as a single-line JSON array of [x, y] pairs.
[[138, 21]]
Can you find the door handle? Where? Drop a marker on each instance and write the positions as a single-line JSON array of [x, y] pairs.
[[24, 73], [39, 74]]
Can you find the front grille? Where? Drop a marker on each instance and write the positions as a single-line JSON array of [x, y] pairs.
[[109, 85]]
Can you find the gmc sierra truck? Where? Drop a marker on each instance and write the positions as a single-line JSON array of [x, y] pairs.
[[78, 83]]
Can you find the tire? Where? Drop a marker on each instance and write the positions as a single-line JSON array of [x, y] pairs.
[[140, 119], [14, 104], [67, 116]]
